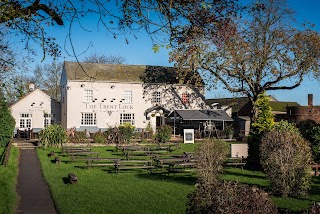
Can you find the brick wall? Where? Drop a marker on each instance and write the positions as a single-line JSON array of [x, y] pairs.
[[300, 113]]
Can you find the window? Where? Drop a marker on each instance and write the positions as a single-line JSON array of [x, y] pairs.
[[47, 120], [88, 95], [127, 97], [88, 119], [25, 120], [156, 97], [127, 118], [185, 98]]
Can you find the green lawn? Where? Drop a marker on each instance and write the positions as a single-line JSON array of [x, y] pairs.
[[8, 178], [99, 191]]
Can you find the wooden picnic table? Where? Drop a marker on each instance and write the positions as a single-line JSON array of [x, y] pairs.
[[100, 162], [81, 155], [75, 149], [133, 164]]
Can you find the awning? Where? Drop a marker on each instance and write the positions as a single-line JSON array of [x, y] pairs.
[[216, 115]]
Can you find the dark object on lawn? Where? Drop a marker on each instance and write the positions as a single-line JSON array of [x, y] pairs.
[[51, 154], [57, 160], [72, 178]]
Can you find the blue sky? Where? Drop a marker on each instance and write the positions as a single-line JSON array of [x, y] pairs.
[[139, 51]]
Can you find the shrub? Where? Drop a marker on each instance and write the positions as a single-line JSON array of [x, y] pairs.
[[7, 123], [163, 133], [54, 135], [264, 122], [286, 158], [314, 138], [149, 130], [127, 131], [229, 197], [314, 209], [114, 135], [210, 156], [99, 138], [80, 137], [305, 126]]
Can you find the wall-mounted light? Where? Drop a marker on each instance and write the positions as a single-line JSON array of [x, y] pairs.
[[113, 100], [82, 85], [104, 100], [32, 104], [41, 103], [112, 87], [68, 88]]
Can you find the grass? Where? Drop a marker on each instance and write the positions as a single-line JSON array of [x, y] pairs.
[[8, 178], [99, 191]]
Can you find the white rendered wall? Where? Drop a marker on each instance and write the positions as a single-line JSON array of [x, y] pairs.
[[36, 103], [108, 113]]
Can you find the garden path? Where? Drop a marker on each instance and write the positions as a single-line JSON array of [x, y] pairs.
[[33, 191]]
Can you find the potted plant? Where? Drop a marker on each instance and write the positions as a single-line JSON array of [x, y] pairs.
[[229, 131]]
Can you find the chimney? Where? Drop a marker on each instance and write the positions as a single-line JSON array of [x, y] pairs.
[[310, 100]]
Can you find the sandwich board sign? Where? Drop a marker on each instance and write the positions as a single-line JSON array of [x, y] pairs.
[[188, 135]]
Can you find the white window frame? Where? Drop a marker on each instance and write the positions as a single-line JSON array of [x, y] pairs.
[[25, 121], [127, 118], [88, 119], [47, 120], [88, 95], [127, 97], [156, 97]]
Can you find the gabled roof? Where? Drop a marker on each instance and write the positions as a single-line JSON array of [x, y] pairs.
[[29, 94], [130, 73], [238, 102], [218, 115]]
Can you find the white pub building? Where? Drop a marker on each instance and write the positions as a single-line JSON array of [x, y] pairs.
[[97, 96]]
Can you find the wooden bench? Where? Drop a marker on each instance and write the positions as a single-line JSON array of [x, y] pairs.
[[316, 168], [75, 149], [102, 162], [134, 164], [72, 178], [82, 155], [236, 162], [173, 166]]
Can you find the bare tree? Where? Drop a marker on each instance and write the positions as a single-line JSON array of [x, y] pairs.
[[32, 19], [105, 59], [262, 51], [47, 77], [15, 86]]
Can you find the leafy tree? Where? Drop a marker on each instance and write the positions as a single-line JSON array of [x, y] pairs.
[[262, 50], [104, 59], [264, 120], [263, 124], [47, 77], [7, 122]]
